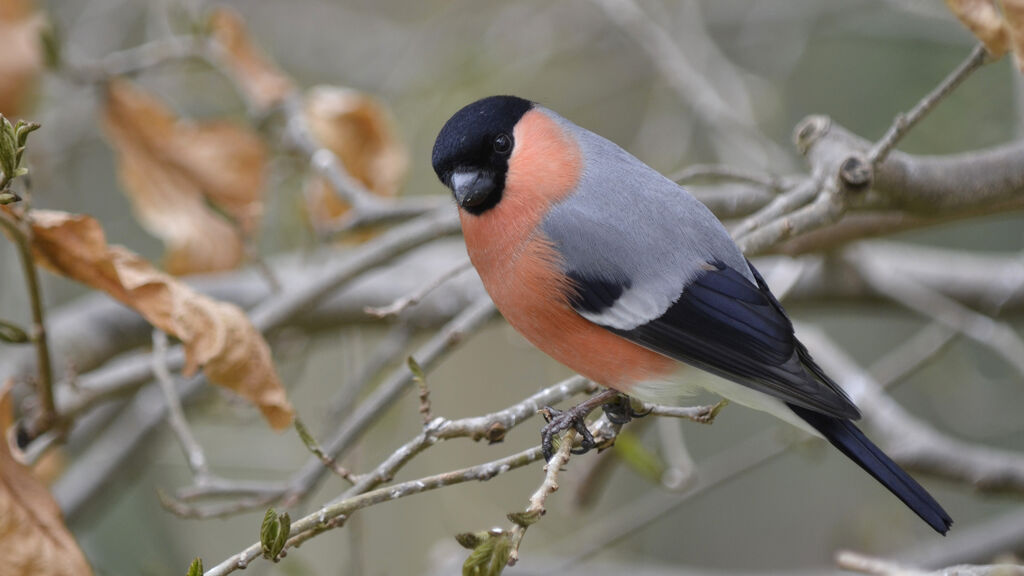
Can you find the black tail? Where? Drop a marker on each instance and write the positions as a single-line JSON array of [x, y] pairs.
[[852, 442]]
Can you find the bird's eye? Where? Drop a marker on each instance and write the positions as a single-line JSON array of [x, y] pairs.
[[502, 143]]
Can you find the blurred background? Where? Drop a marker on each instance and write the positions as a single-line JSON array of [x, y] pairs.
[[774, 62]]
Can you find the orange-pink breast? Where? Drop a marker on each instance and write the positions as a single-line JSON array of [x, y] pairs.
[[522, 270]]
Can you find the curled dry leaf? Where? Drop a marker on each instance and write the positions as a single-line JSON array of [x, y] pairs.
[[263, 84], [21, 53], [1013, 11], [362, 134], [217, 336], [33, 538], [175, 170], [999, 30]]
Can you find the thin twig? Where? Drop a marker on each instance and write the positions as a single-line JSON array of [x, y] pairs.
[[138, 59], [21, 233], [322, 160], [826, 209], [904, 122], [385, 353], [535, 509], [701, 414], [911, 442], [383, 396], [314, 447], [414, 298], [680, 469], [863, 564], [491, 427], [175, 415], [796, 197], [985, 330], [733, 131], [725, 172], [335, 514]]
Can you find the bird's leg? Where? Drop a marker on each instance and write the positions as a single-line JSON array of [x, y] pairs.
[[559, 421], [620, 410]]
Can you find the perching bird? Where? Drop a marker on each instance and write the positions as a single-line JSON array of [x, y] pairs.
[[620, 274]]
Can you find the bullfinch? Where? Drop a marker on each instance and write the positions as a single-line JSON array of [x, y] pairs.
[[621, 275]]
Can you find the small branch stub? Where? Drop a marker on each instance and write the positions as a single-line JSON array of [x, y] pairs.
[[855, 174], [809, 130]]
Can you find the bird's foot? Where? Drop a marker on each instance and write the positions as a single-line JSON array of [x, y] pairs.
[[615, 405], [620, 410], [559, 421]]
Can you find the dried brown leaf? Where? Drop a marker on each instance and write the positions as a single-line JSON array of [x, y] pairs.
[[362, 134], [1013, 12], [33, 538], [21, 53], [263, 83], [983, 19], [173, 170], [217, 335]]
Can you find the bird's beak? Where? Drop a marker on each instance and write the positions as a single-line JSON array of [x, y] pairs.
[[471, 187]]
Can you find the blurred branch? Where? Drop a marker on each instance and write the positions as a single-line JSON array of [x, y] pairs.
[[413, 298], [725, 172], [910, 441], [862, 564], [175, 415], [138, 59], [367, 208], [996, 335], [979, 542], [94, 329], [362, 417], [732, 131]]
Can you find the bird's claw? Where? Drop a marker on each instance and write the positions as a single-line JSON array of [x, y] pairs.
[[559, 421], [621, 411]]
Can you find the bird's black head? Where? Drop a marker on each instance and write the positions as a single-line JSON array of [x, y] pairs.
[[471, 153]]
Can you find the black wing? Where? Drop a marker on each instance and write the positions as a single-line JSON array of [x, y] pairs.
[[734, 329]]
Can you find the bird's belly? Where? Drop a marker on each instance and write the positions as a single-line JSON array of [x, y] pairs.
[[531, 292]]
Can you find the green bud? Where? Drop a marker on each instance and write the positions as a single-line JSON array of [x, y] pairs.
[[274, 533], [196, 568], [525, 519], [490, 556]]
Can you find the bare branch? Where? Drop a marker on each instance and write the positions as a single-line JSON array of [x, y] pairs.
[[383, 396], [535, 509], [138, 59], [413, 298], [905, 122], [860, 563], [700, 414], [983, 329], [910, 441], [175, 415], [732, 132], [724, 172], [21, 233], [335, 514]]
